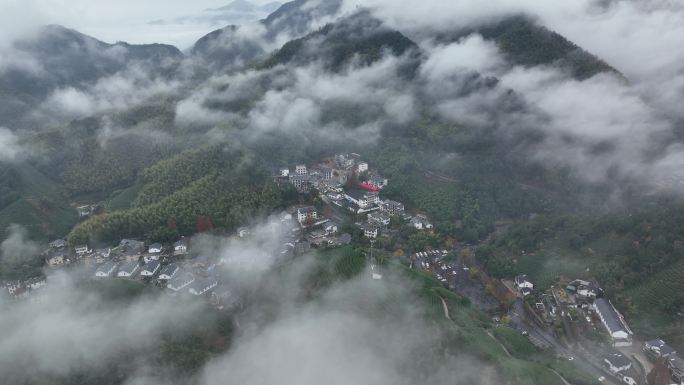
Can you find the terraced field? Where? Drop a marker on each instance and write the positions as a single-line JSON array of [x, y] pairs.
[[663, 291], [663, 285]]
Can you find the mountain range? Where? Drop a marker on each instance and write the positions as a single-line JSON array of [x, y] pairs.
[[478, 126], [235, 12]]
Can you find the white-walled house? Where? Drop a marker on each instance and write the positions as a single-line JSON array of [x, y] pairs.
[[300, 169], [169, 271], [128, 269], [420, 222], [105, 270], [392, 207], [362, 199], [362, 167], [101, 255], [284, 171], [523, 282], [658, 348], [379, 218], [370, 231], [617, 363], [82, 250], [306, 213], [327, 173], [36, 282], [150, 269], [151, 257], [377, 181], [180, 247], [243, 232], [330, 228], [58, 244], [155, 248], [56, 259]]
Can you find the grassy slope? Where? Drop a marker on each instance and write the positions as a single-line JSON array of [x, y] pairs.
[[526, 366], [122, 199]]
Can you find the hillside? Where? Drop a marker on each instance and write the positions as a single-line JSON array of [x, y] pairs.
[[37, 202], [67, 58], [227, 47], [525, 42], [635, 257], [338, 43]]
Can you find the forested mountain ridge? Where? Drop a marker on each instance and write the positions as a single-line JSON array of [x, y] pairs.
[[520, 147], [525, 42], [360, 36], [62, 57], [84, 167]]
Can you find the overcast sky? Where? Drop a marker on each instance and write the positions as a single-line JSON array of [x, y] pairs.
[[126, 20]]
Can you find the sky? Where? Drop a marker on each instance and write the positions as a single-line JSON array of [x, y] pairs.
[[111, 21]]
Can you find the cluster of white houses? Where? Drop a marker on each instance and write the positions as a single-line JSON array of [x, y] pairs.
[[360, 197], [16, 289]]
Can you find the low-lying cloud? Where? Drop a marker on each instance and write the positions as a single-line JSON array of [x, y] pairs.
[[10, 147], [358, 331]]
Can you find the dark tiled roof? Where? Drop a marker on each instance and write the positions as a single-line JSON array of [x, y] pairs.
[[618, 360], [151, 266], [169, 269], [610, 315]]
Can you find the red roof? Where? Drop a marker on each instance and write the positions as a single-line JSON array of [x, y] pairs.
[[368, 187]]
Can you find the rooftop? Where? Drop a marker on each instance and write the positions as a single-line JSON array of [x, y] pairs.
[[305, 210], [129, 267], [610, 315], [359, 194], [106, 267], [169, 269], [618, 360], [151, 265]]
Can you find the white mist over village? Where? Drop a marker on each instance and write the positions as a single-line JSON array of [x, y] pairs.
[[375, 192]]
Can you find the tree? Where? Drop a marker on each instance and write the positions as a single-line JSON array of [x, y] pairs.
[[659, 375], [203, 224]]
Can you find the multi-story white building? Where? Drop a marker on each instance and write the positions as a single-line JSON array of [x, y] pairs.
[[307, 213], [300, 169], [392, 207], [379, 218], [362, 199], [370, 231]]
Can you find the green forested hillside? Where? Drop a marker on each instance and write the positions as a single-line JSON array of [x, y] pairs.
[[636, 257], [35, 201], [212, 201], [525, 42], [338, 43]]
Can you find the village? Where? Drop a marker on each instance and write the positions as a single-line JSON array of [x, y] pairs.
[[179, 270], [574, 317], [591, 324]]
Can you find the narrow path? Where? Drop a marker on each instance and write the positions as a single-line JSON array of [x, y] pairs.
[[561, 377], [500, 344], [446, 309]]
